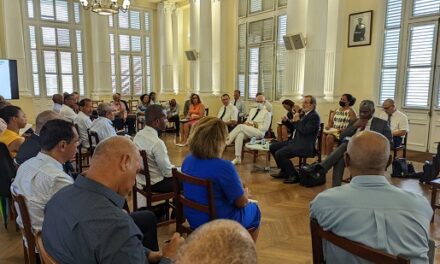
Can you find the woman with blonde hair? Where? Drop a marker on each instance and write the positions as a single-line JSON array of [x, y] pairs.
[[207, 143]]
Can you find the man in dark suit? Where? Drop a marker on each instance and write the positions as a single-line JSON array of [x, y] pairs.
[[366, 121], [306, 128]]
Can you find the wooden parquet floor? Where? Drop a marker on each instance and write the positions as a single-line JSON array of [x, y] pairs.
[[284, 235]]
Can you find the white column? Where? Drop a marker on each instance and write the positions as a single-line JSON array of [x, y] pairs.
[[332, 39], [177, 50], [194, 44], [165, 12], [296, 23], [205, 47], [102, 87], [315, 61], [217, 46]]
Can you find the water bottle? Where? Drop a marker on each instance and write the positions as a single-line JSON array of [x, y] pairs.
[[253, 140], [263, 141]]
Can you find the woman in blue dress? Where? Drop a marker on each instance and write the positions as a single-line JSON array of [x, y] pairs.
[[207, 143]]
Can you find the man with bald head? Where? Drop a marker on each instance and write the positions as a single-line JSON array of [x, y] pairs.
[[256, 125], [103, 125], [94, 228], [397, 121], [367, 122], [57, 102], [370, 210], [217, 242]]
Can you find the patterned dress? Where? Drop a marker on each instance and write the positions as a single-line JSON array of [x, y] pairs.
[[341, 119]]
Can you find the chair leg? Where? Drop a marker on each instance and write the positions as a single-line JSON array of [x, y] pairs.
[[433, 201]]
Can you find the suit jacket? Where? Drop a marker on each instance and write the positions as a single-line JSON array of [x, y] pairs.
[[306, 131], [263, 119], [7, 171], [378, 125]]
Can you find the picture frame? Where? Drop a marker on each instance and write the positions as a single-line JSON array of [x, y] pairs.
[[359, 28]]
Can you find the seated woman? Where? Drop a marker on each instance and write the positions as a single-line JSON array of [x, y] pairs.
[[338, 121], [196, 111], [145, 102], [284, 132], [206, 144], [15, 119]]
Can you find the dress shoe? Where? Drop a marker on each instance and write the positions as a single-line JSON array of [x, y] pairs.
[[292, 179], [313, 168], [279, 175], [236, 161]]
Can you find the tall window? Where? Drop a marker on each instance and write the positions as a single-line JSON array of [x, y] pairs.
[[261, 51], [55, 46], [411, 67], [130, 52]]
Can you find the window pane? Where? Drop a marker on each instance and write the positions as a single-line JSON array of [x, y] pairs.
[[253, 71], [36, 84], [61, 10], [242, 35], [417, 87], [281, 56], [124, 42], [425, 7], [241, 60], [242, 8], [51, 84], [148, 66], [394, 13], [49, 38], [391, 47], [80, 63], [388, 84], [260, 5], [137, 85], [113, 64], [81, 85], [125, 65], [30, 8], [50, 61], [110, 21], [260, 31], [63, 37], [137, 65], [112, 44], [125, 85], [421, 45], [135, 21], [32, 37], [282, 3], [66, 62], [113, 84], [34, 61], [77, 11], [266, 71], [123, 20], [147, 46], [47, 9], [78, 41], [67, 83], [136, 43], [147, 21]]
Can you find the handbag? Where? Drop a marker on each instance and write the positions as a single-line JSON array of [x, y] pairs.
[[310, 179]]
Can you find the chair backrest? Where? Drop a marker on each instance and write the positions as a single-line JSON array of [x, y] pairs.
[[206, 111], [181, 200], [357, 249], [147, 190], [44, 256], [133, 105], [330, 116], [20, 201], [93, 140]]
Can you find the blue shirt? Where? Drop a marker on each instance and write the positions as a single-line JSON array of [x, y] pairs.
[[226, 185], [375, 213], [84, 223]]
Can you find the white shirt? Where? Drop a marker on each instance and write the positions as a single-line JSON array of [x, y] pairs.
[[262, 120], [399, 121], [57, 108], [159, 164], [268, 106], [67, 113], [84, 122], [103, 127], [240, 106], [38, 179], [230, 114]]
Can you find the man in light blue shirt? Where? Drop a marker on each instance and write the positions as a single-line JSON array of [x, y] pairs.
[[370, 210], [103, 125]]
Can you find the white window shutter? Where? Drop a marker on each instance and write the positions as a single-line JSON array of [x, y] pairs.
[[425, 7]]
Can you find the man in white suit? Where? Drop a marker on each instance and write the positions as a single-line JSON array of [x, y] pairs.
[[256, 125]]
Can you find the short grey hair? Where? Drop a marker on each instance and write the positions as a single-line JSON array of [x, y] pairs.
[[368, 104], [104, 109], [218, 241]]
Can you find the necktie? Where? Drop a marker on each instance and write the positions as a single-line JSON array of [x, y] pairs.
[[224, 112], [235, 102], [389, 120], [258, 110]]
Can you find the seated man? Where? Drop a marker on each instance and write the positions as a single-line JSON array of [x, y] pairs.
[[173, 115], [266, 104], [85, 222], [217, 242], [306, 129], [15, 119], [370, 210], [228, 113], [57, 102], [83, 121], [240, 105], [40, 177], [103, 125], [397, 121], [159, 164], [256, 125], [67, 110], [121, 117], [366, 121]]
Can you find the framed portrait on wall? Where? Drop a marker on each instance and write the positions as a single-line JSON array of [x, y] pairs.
[[359, 29]]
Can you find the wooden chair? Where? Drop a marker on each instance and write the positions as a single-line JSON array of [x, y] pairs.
[[206, 111], [355, 248], [401, 147], [267, 135], [44, 256], [151, 196], [318, 147], [93, 135], [133, 104], [29, 251], [181, 200], [81, 155]]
